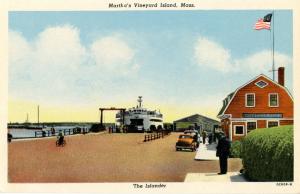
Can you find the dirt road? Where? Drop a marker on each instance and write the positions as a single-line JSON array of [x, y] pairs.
[[105, 158]]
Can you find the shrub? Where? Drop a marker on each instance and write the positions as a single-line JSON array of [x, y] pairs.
[[268, 154], [235, 149]]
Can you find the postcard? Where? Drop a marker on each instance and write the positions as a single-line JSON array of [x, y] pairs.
[[149, 97]]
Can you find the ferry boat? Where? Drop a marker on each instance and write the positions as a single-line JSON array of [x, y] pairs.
[[140, 119]]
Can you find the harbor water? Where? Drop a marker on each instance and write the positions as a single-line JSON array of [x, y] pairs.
[[29, 133]]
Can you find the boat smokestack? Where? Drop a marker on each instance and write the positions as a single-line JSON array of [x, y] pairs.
[[140, 101], [281, 76]]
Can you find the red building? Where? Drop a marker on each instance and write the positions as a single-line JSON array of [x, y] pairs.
[[260, 103]]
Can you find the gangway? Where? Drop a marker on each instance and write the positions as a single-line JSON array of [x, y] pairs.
[[122, 111]]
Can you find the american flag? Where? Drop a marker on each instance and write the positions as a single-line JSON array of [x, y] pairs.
[[261, 24]]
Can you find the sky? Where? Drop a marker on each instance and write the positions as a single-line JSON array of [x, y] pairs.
[[181, 62]]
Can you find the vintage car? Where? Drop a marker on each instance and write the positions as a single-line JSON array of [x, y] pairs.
[[186, 141], [192, 132]]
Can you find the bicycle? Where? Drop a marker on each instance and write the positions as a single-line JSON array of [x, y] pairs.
[[61, 144]]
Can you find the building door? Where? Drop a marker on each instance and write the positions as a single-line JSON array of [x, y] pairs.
[[261, 124]]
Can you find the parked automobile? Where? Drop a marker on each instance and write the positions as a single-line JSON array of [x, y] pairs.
[[190, 132], [195, 134], [186, 141]]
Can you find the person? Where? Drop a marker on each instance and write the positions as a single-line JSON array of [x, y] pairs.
[[53, 131], [203, 136], [43, 133], [78, 130], [210, 138], [223, 150], [196, 139], [9, 137], [60, 138]]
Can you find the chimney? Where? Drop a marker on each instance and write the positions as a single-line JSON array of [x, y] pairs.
[[281, 76]]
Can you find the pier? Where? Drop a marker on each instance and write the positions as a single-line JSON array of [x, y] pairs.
[[73, 131], [122, 111], [157, 135]]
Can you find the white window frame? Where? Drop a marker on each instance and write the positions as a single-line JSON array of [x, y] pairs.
[[278, 121], [270, 99], [234, 131], [246, 95]]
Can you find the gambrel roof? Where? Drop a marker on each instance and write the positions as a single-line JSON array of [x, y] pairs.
[[232, 95]]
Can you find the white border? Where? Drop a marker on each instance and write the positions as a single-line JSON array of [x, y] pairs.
[[204, 187]]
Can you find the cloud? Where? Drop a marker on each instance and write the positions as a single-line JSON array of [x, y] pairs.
[[111, 52], [210, 54], [20, 50], [60, 46], [261, 61], [57, 66]]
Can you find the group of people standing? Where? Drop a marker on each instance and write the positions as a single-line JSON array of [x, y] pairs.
[[121, 129], [205, 136]]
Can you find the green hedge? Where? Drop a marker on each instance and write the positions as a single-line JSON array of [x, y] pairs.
[[235, 149], [268, 154]]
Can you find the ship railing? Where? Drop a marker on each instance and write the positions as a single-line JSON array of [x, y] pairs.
[[155, 115]]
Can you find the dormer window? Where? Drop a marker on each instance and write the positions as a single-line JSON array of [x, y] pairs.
[[250, 100], [261, 84]]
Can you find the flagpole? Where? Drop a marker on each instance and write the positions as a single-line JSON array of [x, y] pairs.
[[273, 45]]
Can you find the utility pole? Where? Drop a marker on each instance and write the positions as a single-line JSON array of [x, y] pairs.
[[38, 110]]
